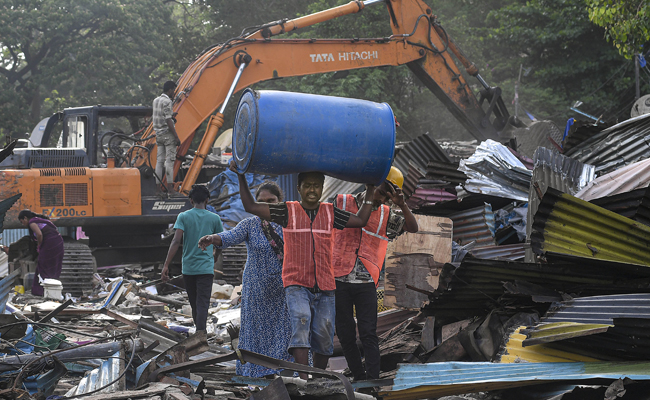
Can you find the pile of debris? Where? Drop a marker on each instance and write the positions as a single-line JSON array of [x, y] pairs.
[[529, 278], [544, 294]]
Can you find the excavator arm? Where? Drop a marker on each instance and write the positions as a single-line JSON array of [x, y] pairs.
[[418, 41]]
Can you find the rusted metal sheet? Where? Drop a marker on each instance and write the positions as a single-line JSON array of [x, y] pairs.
[[475, 225], [565, 224]]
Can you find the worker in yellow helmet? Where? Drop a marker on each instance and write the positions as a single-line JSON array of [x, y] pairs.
[[357, 259]]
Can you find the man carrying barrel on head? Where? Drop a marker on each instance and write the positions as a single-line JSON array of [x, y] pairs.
[[357, 261], [307, 272]]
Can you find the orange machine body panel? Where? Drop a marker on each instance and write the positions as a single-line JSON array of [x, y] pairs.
[[116, 192], [72, 193]]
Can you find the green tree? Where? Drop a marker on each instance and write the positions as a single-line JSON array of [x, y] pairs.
[[565, 57], [626, 23], [414, 105], [89, 51]]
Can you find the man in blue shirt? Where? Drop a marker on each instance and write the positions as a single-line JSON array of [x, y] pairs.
[[198, 265]]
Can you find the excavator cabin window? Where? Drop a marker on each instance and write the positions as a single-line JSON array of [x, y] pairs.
[[76, 128]]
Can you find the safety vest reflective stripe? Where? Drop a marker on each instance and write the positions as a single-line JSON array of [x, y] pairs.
[[308, 247], [375, 235], [369, 244]]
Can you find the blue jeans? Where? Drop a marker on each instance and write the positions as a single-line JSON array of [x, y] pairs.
[[312, 319]]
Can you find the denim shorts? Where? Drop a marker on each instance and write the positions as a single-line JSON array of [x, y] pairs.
[[312, 319]]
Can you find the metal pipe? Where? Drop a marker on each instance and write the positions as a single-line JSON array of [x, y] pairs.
[[154, 297], [312, 19], [583, 113], [215, 123], [232, 87], [482, 81], [74, 354]]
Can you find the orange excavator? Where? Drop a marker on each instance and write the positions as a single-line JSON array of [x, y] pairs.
[[115, 198]]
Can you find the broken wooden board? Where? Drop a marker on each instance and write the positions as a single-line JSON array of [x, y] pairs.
[[415, 259]]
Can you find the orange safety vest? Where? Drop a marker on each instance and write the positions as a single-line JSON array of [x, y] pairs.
[[308, 247], [369, 243]]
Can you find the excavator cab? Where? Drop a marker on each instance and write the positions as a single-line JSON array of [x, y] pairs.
[[90, 133]]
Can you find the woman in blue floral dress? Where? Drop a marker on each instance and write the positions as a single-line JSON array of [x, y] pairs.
[[265, 326]]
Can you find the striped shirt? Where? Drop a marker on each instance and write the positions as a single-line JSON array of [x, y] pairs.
[[280, 215], [162, 111]]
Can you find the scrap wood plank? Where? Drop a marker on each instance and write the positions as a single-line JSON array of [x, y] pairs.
[[415, 259]]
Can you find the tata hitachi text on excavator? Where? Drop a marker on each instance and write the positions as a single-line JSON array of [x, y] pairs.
[[110, 190]]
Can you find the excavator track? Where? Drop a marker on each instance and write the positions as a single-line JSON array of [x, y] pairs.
[[78, 269]]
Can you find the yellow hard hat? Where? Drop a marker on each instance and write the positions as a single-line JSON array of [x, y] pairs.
[[395, 177]]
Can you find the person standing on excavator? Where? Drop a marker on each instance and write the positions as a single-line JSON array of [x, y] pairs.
[[167, 140], [307, 273], [357, 260]]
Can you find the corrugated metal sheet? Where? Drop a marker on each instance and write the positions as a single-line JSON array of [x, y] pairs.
[[512, 252], [418, 381], [419, 152], [555, 331], [600, 309], [543, 134], [634, 205], [458, 149], [619, 145], [334, 186], [515, 352], [411, 180], [581, 131], [445, 172], [427, 197], [475, 225], [615, 327], [478, 285], [6, 286], [554, 170], [626, 179], [102, 376], [493, 169], [565, 224], [10, 236], [627, 340], [289, 185], [473, 200]]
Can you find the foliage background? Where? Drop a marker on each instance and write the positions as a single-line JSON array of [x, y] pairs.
[[64, 53]]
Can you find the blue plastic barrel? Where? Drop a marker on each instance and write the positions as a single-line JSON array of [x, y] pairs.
[[285, 133]]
